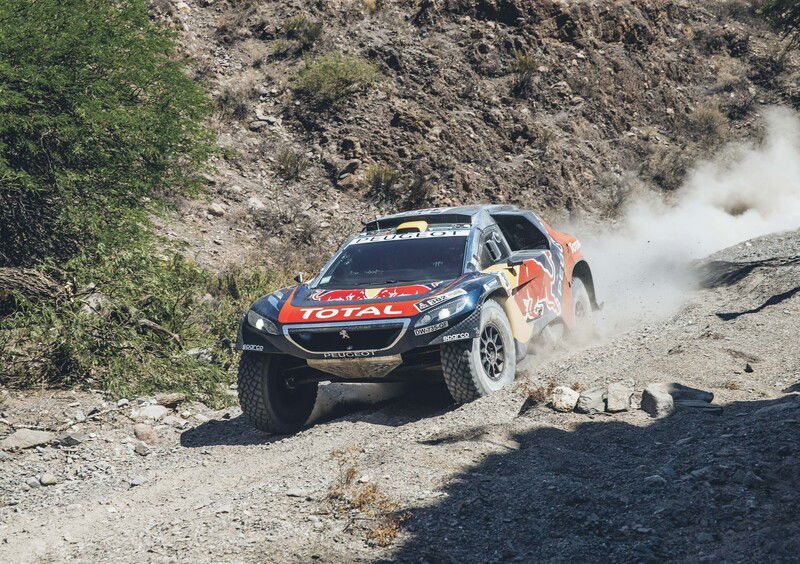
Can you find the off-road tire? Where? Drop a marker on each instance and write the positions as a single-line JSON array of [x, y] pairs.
[[464, 372], [266, 400], [584, 328]]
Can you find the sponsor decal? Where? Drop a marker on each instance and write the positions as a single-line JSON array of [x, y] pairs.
[[345, 312], [574, 246], [491, 285], [456, 337], [539, 288], [258, 348], [413, 235], [372, 293], [431, 328], [441, 298], [348, 354]]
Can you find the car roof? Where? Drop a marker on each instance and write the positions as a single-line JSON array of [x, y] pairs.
[[476, 216]]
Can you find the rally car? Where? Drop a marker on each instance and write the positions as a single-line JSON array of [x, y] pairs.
[[460, 293]]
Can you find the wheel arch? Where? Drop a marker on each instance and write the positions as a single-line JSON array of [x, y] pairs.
[[581, 270]]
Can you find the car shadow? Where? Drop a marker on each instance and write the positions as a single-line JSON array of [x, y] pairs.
[[390, 405], [692, 487]]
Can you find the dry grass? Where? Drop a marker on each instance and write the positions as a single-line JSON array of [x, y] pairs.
[[708, 122], [578, 386], [257, 51], [542, 393], [524, 69], [291, 164], [378, 516], [305, 31], [237, 95]]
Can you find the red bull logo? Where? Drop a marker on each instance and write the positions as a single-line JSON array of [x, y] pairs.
[[372, 293], [538, 291]]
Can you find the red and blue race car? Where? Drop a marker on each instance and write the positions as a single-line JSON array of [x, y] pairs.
[[459, 293]]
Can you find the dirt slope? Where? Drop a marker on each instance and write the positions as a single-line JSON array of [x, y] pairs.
[[481, 482]]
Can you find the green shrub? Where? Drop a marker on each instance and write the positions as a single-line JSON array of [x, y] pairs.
[[524, 69], [64, 344], [97, 117], [303, 30], [329, 79], [382, 178]]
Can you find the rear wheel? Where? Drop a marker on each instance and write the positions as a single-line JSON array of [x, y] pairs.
[[583, 326], [271, 401], [477, 367]]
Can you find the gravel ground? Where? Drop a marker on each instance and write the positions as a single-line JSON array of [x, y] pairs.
[[411, 478]]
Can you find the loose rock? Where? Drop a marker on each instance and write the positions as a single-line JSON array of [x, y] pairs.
[[170, 400], [656, 402], [591, 401], [145, 433], [564, 399], [149, 412], [216, 210], [26, 438], [48, 479], [619, 396], [71, 439]]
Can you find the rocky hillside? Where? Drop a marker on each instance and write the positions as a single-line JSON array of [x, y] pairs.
[[330, 112]]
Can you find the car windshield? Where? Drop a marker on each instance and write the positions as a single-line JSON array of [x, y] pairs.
[[376, 262]]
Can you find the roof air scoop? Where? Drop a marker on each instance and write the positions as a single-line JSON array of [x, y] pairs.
[[412, 227]]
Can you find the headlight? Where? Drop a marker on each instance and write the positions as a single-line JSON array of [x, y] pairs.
[[445, 311], [261, 323]]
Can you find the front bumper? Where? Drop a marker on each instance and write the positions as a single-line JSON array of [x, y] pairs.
[[357, 339]]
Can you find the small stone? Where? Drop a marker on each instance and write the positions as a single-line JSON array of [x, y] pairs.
[[619, 396], [71, 439], [149, 412], [4, 455], [201, 353], [142, 449], [564, 399], [655, 481], [254, 204], [704, 537], [26, 438], [174, 421], [170, 400], [123, 402], [216, 209], [748, 368], [295, 492], [33, 482], [656, 402], [137, 480], [145, 433], [591, 401], [47, 479]]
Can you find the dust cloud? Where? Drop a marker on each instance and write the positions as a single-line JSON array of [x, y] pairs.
[[642, 266]]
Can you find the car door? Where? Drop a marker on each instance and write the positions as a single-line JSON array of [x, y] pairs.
[[539, 271]]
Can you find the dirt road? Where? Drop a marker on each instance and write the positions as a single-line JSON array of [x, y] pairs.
[[414, 479]]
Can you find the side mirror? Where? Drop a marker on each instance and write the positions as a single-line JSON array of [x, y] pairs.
[[299, 278]]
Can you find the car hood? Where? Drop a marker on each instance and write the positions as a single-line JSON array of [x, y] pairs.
[[311, 305]]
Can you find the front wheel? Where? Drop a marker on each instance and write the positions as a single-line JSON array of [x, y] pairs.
[[477, 367], [271, 401]]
